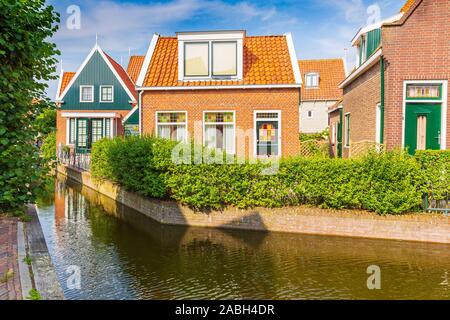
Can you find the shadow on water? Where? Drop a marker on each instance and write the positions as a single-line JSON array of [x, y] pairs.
[[125, 255]]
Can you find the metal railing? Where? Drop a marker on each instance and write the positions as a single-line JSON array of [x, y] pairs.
[[437, 205], [72, 159]]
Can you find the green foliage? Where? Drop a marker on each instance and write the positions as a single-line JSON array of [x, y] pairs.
[[27, 63], [48, 148], [436, 167], [27, 260], [34, 295], [321, 136], [45, 122], [387, 184]]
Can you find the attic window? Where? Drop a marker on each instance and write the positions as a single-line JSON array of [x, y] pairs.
[[312, 80], [224, 58], [196, 59]]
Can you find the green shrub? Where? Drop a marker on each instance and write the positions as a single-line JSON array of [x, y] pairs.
[[436, 168], [387, 184], [48, 148]]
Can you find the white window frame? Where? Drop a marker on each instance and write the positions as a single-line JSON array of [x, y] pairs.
[[347, 130], [68, 143], [312, 74], [212, 61], [255, 135], [81, 94], [186, 138], [444, 106], [101, 93], [220, 123], [210, 41]]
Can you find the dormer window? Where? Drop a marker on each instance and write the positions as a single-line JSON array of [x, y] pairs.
[[312, 80], [216, 55], [86, 93], [224, 58], [196, 59]]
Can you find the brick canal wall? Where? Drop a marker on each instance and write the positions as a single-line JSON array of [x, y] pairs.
[[306, 220]]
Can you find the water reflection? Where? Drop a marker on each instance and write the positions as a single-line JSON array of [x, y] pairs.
[[124, 255]]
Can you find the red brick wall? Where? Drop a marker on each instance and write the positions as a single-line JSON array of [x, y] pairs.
[[417, 50], [61, 122], [361, 98], [243, 102]]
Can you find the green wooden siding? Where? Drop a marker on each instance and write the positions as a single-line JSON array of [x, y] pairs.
[[373, 41], [96, 73], [133, 119]]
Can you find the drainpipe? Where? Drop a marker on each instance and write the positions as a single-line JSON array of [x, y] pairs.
[[382, 100], [140, 109]]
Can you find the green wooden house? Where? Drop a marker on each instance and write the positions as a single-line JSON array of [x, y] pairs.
[[97, 101]]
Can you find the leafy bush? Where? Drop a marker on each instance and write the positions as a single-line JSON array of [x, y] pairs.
[[387, 184], [48, 148], [436, 168]]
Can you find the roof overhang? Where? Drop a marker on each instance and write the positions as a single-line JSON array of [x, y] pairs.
[[77, 114], [375, 26], [364, 67], [211, 35]]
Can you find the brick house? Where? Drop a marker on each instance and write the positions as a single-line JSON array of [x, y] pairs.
[[224, 89], [93, 102], [398, 94], [320, 91]]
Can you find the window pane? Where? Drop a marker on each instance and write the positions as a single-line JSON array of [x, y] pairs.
[[72, 130], [107, 94], [82, 133], [172, 132], [224, 58], [196, 59], [97, 129], [86, 94], [219, 117], [171, 117], [108, 127]]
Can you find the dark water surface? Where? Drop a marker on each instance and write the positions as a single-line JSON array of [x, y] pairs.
[[123, 255]]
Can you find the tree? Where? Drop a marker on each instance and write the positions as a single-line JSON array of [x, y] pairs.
[[28, 61]]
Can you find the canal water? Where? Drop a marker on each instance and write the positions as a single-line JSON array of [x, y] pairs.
[[103, 250]]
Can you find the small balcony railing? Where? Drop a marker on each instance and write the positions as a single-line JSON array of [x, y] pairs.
[[72, 159]]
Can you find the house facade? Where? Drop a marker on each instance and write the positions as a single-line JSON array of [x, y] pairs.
[[320, 91], [93, 102], [398, 94], [224, 89]]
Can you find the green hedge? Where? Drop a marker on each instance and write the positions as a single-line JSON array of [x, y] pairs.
[[436, 168], [392, 183]]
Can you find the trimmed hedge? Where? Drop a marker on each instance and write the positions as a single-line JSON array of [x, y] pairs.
[[436, 168], [387, 184]]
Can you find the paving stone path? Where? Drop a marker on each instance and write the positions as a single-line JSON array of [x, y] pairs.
[[9, 269]]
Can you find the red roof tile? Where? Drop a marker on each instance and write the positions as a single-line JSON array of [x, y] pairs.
[[331, 74], [123, 75], [66, 77]]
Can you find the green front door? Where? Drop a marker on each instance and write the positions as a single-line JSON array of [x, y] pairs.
[[422, 127], [82, 142]]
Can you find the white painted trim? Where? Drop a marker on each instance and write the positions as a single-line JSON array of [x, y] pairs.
[[59, 85], [225, 123], [89, 115], [100, 93], [378, 123], [81, 93], [375, 26], [75, 77], [68, 131], [344, 125], [211, 35], [443, 102], [294, 60], [286, 86], [366, 65], [255, 135], [129, 114], [345, 67], [133, 99], [147, 60], [171, 123]]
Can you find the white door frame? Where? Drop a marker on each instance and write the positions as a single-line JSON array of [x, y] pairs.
[[443, 102], [255, 133]]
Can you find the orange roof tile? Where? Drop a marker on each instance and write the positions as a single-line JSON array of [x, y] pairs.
[[134, 67], [67, 76], [266, 62], [407, 5], [331, 74]]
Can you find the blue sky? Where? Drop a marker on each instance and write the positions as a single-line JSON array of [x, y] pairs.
[[320, 28]]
